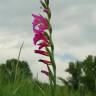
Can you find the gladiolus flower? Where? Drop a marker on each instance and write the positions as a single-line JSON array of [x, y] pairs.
[[45, 72], [40, 24], [45, 62], [42, 52], [43, 44], [38, 37], [43, 39]]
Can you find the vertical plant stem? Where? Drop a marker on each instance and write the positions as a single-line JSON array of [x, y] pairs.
[[52, 53], [52, 60], [16, 69], [54, 66]]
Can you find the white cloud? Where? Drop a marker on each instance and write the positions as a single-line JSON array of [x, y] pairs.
[[74, 26]]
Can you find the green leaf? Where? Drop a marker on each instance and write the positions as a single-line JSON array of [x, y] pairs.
[[51, 77]]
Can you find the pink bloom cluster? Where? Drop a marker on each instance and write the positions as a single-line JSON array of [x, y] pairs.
[[43, 39], [40, 26]]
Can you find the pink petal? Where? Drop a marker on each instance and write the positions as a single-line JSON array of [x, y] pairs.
[[42, 52], [38, 37], [36, 16], [46, 11], [45, 62], [40, 24], [45, 72], [43, 44]]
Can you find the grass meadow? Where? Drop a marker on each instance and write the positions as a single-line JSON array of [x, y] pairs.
[[22, 83]]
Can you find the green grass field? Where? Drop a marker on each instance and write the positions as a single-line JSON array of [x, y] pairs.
[[35, 88], [20, 82]]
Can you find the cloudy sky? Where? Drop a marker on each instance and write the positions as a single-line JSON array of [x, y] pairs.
[[74, 26]]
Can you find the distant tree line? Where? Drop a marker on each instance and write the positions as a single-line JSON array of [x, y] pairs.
[[14, 70], [83, 74]]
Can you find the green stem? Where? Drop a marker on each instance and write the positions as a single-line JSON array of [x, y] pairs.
[[52, 60], [16, 70], [51, 51], [54, 67]]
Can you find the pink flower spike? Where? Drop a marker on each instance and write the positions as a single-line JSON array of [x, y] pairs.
[[45, 62], [38, 37], [38, 31], [42, 52], [40, 24], [43, 44], [45, 72], [36, 19]]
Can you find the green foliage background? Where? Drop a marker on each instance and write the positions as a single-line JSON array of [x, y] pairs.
[[22, 83]]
